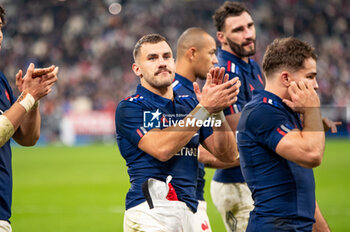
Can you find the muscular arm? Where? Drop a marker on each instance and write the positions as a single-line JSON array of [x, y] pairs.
[[222, 143], [29, 131], [209, 160], [321, 224], [304, 147]]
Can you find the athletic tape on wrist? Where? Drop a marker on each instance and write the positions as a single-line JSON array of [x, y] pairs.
[[200, 112], [26, 100], [219, 116], [6, 130]]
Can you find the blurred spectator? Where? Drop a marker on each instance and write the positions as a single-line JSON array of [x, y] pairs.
[[94, 47]]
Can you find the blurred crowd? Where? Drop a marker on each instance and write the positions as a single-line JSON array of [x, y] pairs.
[[92, 44]]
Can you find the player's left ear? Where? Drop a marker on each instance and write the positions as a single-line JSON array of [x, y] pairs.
[[136, 69]]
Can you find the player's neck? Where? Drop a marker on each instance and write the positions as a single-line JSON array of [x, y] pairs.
[[184, 71], [228, 49], [276, 89]]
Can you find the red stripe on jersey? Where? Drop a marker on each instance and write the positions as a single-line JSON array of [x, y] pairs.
[[232, 110], [137, 96], [265, 99], [229, 66], [127, 98], [281, 132], [261, 81], [251, 87], [139, 132]]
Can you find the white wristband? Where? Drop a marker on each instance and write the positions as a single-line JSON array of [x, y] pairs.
[[200, 112], [26, 100], [219, 116]]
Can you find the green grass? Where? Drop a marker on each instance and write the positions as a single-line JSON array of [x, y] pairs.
[[62, 189]]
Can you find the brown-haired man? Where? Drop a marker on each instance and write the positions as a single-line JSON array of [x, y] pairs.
[[277, 148], [158, 133], [236, 34]]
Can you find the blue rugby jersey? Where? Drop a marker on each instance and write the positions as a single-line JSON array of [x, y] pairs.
[[183, 86], [6, 101], [251, 79], [283, 191], [131, 127]]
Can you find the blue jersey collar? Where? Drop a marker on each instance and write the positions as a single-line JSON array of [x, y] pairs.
[[152, 96], [270, 98], [185, 82], [247, 67]]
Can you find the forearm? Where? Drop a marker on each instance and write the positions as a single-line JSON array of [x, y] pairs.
[[313, 135], [209, 160], [321, 224], [29, 131], [225, 147]]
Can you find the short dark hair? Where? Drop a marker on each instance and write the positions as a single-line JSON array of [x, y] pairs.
[[289, 53], [226, 10], [150, 38], [2, 14]]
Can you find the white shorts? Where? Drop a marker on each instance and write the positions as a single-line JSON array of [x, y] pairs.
[[234, 203], [166, 216], [5, 226], [201, 220]]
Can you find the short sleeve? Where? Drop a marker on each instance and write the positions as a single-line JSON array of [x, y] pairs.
[[241, 97], [129, 121], [269, 125]]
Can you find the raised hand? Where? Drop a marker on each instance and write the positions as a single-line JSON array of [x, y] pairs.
[[218, 92], [38, 87], [302, 97], [36, 73]]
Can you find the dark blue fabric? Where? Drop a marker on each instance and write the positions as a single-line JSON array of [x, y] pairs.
[[185, 87], [283, 191], [141, 166], [6, 100], [251, 79]]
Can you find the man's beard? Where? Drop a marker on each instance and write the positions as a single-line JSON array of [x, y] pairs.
[[239, 49]]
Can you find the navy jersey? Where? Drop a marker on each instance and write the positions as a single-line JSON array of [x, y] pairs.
[[138, 114], [6, 101], [251, 79], [283, 191], [183, 86]]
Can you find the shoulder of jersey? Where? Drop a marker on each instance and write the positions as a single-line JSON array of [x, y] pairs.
[[134, 98]]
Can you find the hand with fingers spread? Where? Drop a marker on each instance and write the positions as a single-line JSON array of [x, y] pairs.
[[218, 92], [330, 125], [302, 97], [37, 82]]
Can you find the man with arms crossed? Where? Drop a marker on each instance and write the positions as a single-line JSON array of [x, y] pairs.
[[195, 56], [163, 147], [20, 120], [236, 34], [281, 138]]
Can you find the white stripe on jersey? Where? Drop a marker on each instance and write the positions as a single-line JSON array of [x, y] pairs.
[[175, 83], [285, 128], [235, 107]]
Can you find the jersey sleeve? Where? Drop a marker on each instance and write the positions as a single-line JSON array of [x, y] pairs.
[[269, 125], [241, 97], [129, 121]]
